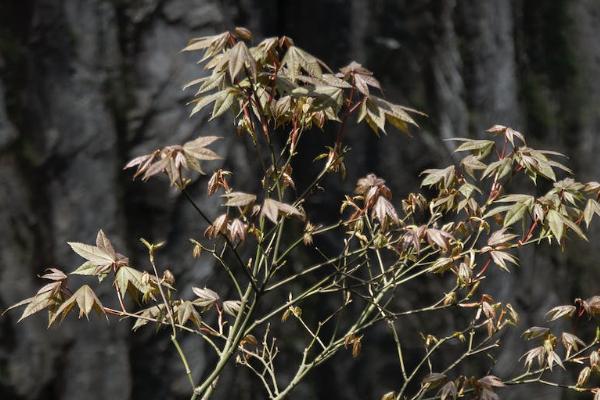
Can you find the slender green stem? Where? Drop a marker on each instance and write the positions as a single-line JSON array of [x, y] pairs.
[[188, 371]]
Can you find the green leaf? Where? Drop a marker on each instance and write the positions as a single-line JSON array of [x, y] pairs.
[[546, 170], [375, 117], [501, 167], [495, 211], [555, 222], [515, 198], [467, 189], [516, 213], [435, 176]]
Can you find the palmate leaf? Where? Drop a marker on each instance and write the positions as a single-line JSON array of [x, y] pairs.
[[396, 110], [232, 307], [223, 102], [375, 117], [238, 199], [157, 311], [325, 97], [592, 207], [54, 274], [509, 133], [206, 297], [325, 80], [501, 259], [376, 111], [214, 81], [186, 311], [210, 44], [479, 147], [296, 60], [37, 303], [271, 210], [518, 210], [85, 299], [501, 168], [99, 258], [500, 237], [198, 149], [384, 211], [128, 278], [535, 332], [560, 311], [92, 253], [363, 82], [104, 244], [201, 102], [575, 228], [471, 163], [439, 176], [87, 268], [556, 224], [239, 56]]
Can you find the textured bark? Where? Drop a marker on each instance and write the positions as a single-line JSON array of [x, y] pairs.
[[87, 85]]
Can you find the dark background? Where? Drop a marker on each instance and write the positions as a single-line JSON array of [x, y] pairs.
[[86, 85]]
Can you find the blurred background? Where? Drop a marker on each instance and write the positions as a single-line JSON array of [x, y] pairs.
[[86, 85]]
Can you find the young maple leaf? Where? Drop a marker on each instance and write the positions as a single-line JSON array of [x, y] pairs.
[[271, 210], [172, 160]]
